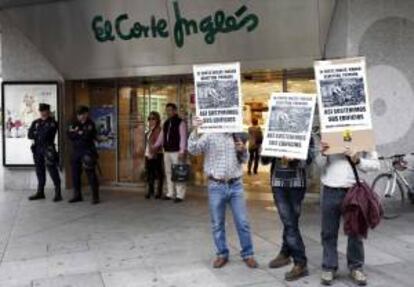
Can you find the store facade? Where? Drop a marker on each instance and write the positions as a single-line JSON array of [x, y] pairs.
[[134, 56], [132, 99]]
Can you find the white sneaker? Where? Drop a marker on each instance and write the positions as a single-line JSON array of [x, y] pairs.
[[327, 277], [359, 277]]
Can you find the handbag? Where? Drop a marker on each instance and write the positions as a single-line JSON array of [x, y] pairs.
[[180, 172], [361, 207]]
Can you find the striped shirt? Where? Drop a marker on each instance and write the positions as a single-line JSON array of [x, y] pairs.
[[291, 174]]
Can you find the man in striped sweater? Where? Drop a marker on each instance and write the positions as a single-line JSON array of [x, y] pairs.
[[288, 180]]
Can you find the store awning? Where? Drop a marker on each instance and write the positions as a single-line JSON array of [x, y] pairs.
[[15, 3], [121, 38]]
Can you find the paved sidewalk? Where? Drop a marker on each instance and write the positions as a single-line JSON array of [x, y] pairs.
[[129, 241]]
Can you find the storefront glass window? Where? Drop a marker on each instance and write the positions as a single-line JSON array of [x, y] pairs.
[[187, 101], [301, 81], [160, 95], [135, 99], [132, 104], [257, 89]]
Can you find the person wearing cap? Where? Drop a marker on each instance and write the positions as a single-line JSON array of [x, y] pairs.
[[82, 132], [43, 132]]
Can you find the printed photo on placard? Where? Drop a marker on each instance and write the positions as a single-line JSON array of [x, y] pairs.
[[218, 97], [20, 108], [289, 125]]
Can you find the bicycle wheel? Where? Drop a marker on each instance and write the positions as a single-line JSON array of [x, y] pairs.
[[392, 203], [410, 194]]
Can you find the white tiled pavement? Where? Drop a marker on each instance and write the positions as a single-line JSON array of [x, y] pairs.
[[131, 242]]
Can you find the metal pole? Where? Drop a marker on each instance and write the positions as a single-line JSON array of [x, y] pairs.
[[117, 131]]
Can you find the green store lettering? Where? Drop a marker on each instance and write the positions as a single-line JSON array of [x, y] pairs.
[[104, 30], [210, 26]]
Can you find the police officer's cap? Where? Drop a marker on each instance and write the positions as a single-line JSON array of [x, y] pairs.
[[44, 107], [82, 110]]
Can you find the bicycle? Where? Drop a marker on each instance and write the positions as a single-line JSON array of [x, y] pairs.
[[391, 186]]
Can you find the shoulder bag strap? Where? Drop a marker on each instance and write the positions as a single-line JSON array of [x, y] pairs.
[[354, 170]]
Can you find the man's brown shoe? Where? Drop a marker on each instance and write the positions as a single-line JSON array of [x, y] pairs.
[[359, 277], [220, 262], [251, 262], [280, 261], [297, 272]]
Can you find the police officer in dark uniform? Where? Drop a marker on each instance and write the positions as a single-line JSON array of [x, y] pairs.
[[43, 132], [82, 133]]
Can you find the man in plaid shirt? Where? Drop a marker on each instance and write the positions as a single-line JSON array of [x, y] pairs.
[[224, 154]]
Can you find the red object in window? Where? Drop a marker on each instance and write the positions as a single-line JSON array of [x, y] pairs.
[[18, 124]]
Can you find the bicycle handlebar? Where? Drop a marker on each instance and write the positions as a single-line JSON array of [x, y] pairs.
[[397, 156]]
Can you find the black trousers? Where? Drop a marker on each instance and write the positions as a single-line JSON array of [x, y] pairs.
[[253, 160], [155, 170], [41, 166], [77, 169]]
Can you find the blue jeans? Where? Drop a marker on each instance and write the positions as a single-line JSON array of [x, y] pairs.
[[289, 202], [332, 199], [232, 194]]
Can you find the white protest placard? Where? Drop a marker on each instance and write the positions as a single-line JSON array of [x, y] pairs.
[[289, 125], [343, 101], [218, 97], [343, 95]]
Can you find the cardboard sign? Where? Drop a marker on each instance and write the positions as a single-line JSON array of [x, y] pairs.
[[344, 109]]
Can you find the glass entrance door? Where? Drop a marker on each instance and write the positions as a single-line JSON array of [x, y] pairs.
[[161, 94], [132, 111], [135, 102], [121, 107]]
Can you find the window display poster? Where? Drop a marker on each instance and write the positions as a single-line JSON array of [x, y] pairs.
[[20, 108], [105, 121], [218, 97], [289, 125], [344, 108]]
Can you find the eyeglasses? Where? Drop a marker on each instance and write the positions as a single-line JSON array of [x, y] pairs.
[[151, 119]]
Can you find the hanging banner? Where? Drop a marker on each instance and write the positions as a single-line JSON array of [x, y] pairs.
[[218, 97], [289, 125], [344, 109], [20, 108], [105, 121]]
